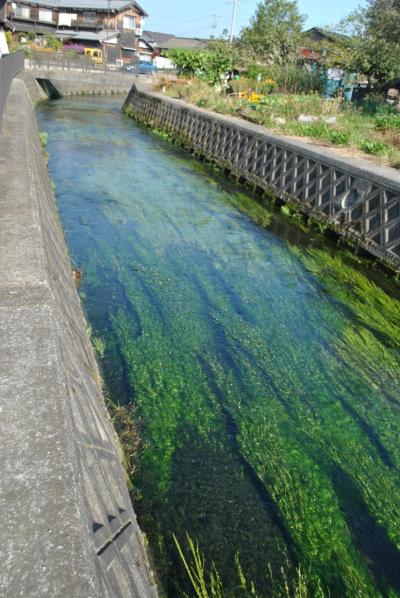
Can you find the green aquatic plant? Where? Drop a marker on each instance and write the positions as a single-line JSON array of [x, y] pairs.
[[369, 302], [263, 371]]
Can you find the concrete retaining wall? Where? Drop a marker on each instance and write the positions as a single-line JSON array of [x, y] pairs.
[[75, 82], [361, 200], [67, 527]]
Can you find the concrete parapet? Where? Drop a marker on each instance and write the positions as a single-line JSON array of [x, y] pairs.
[[360, 200], [68, 528]]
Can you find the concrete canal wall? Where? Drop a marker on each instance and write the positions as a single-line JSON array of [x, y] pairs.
[[58, 83], [360, 200], [67, 527]]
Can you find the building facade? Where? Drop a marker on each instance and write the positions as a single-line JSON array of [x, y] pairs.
[[112, 26]]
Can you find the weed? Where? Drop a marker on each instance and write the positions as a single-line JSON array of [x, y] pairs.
[[387, 121], [339, 137], [43, 138], [375, 148], [127, 425], [99, 346]]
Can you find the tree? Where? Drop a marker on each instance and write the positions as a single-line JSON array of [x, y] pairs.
[[376, 39], [274, 31]]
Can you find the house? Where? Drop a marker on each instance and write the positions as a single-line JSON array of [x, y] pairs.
[[156, 43], [319, 34], [4, 26], [322, 45], [112, 26]]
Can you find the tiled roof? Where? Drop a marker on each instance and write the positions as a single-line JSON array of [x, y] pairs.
[[87, 4], [168, 41]]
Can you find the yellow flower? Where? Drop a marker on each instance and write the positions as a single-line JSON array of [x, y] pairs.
[[254, 97]]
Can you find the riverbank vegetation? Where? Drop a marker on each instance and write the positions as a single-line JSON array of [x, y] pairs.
[[372, 130], [288, 80]]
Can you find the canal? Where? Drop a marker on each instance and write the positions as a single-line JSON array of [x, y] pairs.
[[260, 363]]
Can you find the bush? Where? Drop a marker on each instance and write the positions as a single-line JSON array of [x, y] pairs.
[[211, 66], [53, 43]]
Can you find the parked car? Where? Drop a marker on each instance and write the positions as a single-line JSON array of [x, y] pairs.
[[143, 68], [131, 68]]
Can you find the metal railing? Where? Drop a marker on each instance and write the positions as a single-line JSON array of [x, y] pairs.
[[62, 61], [10, 65]]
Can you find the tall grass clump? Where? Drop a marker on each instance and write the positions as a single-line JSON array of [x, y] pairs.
[[206, 581]]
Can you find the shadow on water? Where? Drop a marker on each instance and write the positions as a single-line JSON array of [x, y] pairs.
[[235, 507], [232, 430], [372, 436], [382, 555]]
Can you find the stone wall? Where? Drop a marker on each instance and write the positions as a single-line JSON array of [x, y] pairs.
[[68, 528], [360, 200]]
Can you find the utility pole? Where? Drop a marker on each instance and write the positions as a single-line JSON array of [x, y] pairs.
[[233, 24]]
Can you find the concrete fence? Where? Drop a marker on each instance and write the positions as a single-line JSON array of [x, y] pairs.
[[361, 200], [10, 65]]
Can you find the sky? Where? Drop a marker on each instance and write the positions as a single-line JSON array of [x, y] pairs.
[[202, 18]]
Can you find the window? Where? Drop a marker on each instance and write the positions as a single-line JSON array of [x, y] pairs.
[[129, 23], [66, 19], [45, 15], [24, 12]]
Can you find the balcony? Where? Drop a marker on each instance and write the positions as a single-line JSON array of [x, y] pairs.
[[87, 23]]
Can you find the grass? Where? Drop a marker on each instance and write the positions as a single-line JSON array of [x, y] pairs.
[[372, 129]]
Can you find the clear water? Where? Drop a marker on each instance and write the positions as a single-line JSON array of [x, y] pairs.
[[264, 364]]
